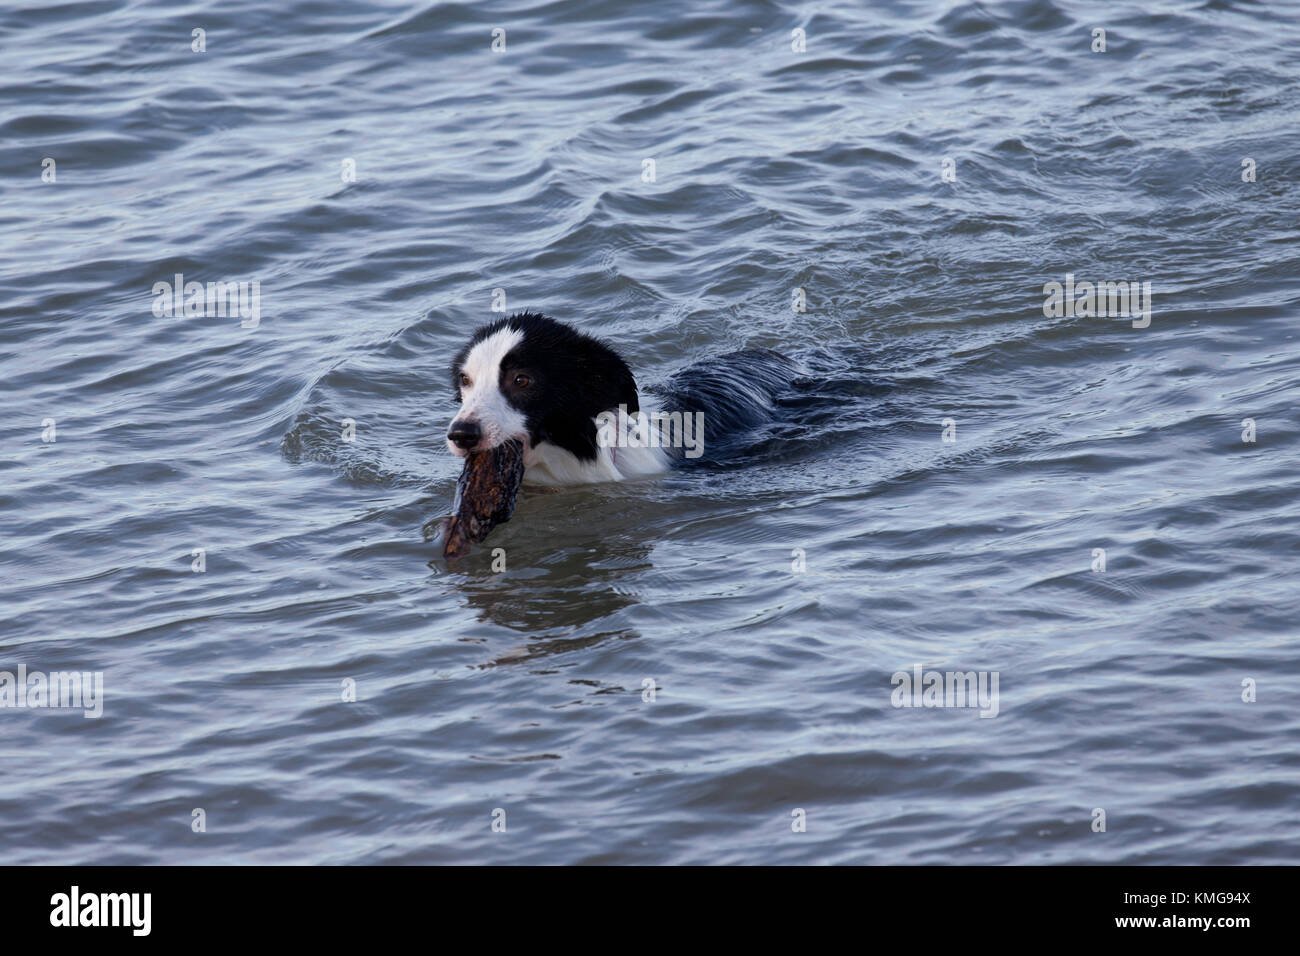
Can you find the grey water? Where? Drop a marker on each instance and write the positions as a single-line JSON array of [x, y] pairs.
[[220, 513]]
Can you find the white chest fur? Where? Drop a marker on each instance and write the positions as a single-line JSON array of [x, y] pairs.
[[549, 464]]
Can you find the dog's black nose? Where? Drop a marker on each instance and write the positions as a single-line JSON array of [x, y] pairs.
[[464, 434]]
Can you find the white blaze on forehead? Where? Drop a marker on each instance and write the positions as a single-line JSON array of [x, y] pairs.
[[481, 400], [484, 359]]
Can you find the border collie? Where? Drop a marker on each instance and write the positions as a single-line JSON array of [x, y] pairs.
[[573, 403]]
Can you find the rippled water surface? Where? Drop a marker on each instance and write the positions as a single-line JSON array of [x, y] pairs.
[[774, 170]]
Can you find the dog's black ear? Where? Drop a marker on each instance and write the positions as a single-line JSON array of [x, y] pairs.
[[576, 435], [603, 391], [608, 383], [625, 385]]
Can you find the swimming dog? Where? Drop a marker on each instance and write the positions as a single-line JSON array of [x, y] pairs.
[[573, 404]]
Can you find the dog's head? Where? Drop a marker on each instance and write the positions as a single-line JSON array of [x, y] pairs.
[[538, 380]]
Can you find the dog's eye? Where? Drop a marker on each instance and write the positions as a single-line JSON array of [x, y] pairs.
[[522, 381], [464, 380]]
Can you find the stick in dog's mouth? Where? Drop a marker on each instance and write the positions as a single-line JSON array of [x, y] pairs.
[[485, 496]]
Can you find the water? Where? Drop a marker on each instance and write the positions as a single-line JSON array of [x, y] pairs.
[[522, 171]]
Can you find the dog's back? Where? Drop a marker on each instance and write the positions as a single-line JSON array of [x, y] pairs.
[[735, 393]]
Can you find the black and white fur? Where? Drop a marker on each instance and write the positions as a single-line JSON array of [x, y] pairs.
[[531, 378]]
